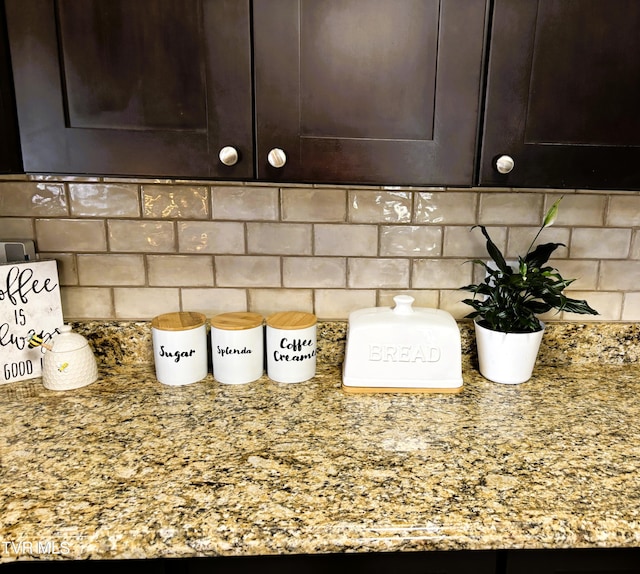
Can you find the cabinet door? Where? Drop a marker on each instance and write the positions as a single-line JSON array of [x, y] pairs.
[[562, 94], [368, 91], [9, 144], [427, 562], [151, 87], [578, 561]]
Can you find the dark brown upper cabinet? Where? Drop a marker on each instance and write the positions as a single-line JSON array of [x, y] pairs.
[[563, 94], [368, 91], [358, 91], [9, 142], [144, 87]]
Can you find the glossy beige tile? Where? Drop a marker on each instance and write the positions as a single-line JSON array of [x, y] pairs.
[[144, 303], [309, 204], [520, 240], [338, 303], [451, 301], [441, 273], [74, 235], [608, 305], [446, 207], [579, 209], [519, 208], [268, 301], [600, 243], [180, 270], [213, 301], [462, 241], [345, 239], [111, 270], [316, 272], [33, 199], [398, 239], [631, 307], [140, 180], [246, 203], [634, 252], [175, 201], [247, 271], [141, 236], [14, 177], [279, 238], [223, 237], [583, 271], [410, 240], [422, 297], [86, 303], [375, 206], [619, 275], [382, 273], [16, 228], [67, 267], [624, 211], [104, 200]]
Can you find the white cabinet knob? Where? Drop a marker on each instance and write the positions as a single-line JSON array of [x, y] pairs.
[[505, 163], [277, 157], [228, 155]]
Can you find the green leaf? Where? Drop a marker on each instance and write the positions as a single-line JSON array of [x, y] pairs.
[[552, 214], [540, 255], [494, 252]]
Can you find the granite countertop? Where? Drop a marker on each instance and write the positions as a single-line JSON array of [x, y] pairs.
[[130, 468]]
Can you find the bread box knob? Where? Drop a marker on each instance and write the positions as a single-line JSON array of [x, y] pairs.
[[403, 305]]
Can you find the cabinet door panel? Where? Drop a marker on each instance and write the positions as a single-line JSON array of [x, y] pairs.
[[369, 91], [562, 94], [9, 143], [153, 87], [121, 67]]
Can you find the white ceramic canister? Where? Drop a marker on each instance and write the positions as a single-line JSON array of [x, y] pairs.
[[180, 347], [68, 362], [291, 346], [237, 347]]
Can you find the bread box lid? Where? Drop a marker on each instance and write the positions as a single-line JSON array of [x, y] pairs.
[[402, 348]]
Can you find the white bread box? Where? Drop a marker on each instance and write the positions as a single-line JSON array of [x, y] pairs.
[[402, 349]]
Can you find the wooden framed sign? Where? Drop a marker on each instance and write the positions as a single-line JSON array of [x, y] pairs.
[[29, 305]]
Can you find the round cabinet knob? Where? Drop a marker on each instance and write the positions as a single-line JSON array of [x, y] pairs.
[[505, 163], [228, 155], [277, 157]]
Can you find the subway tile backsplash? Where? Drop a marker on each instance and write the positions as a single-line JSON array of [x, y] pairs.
[[129, 249]]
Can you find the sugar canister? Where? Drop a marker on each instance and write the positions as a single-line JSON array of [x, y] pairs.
[[180, 347], [237, 347], [291, 346]]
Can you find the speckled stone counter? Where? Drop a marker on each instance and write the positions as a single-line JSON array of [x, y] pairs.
[[130, 468]]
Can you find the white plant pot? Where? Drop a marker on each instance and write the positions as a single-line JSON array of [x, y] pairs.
[[507, 358]]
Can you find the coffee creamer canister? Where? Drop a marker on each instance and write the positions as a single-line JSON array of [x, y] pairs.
[[291, 346]]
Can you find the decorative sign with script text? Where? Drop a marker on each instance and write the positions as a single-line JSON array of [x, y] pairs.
[[29, 305]]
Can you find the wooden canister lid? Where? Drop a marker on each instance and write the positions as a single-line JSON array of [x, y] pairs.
[[181, 321], [237, 321], [291, 320]]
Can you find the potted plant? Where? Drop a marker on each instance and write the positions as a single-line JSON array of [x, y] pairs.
[[507, 304]]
